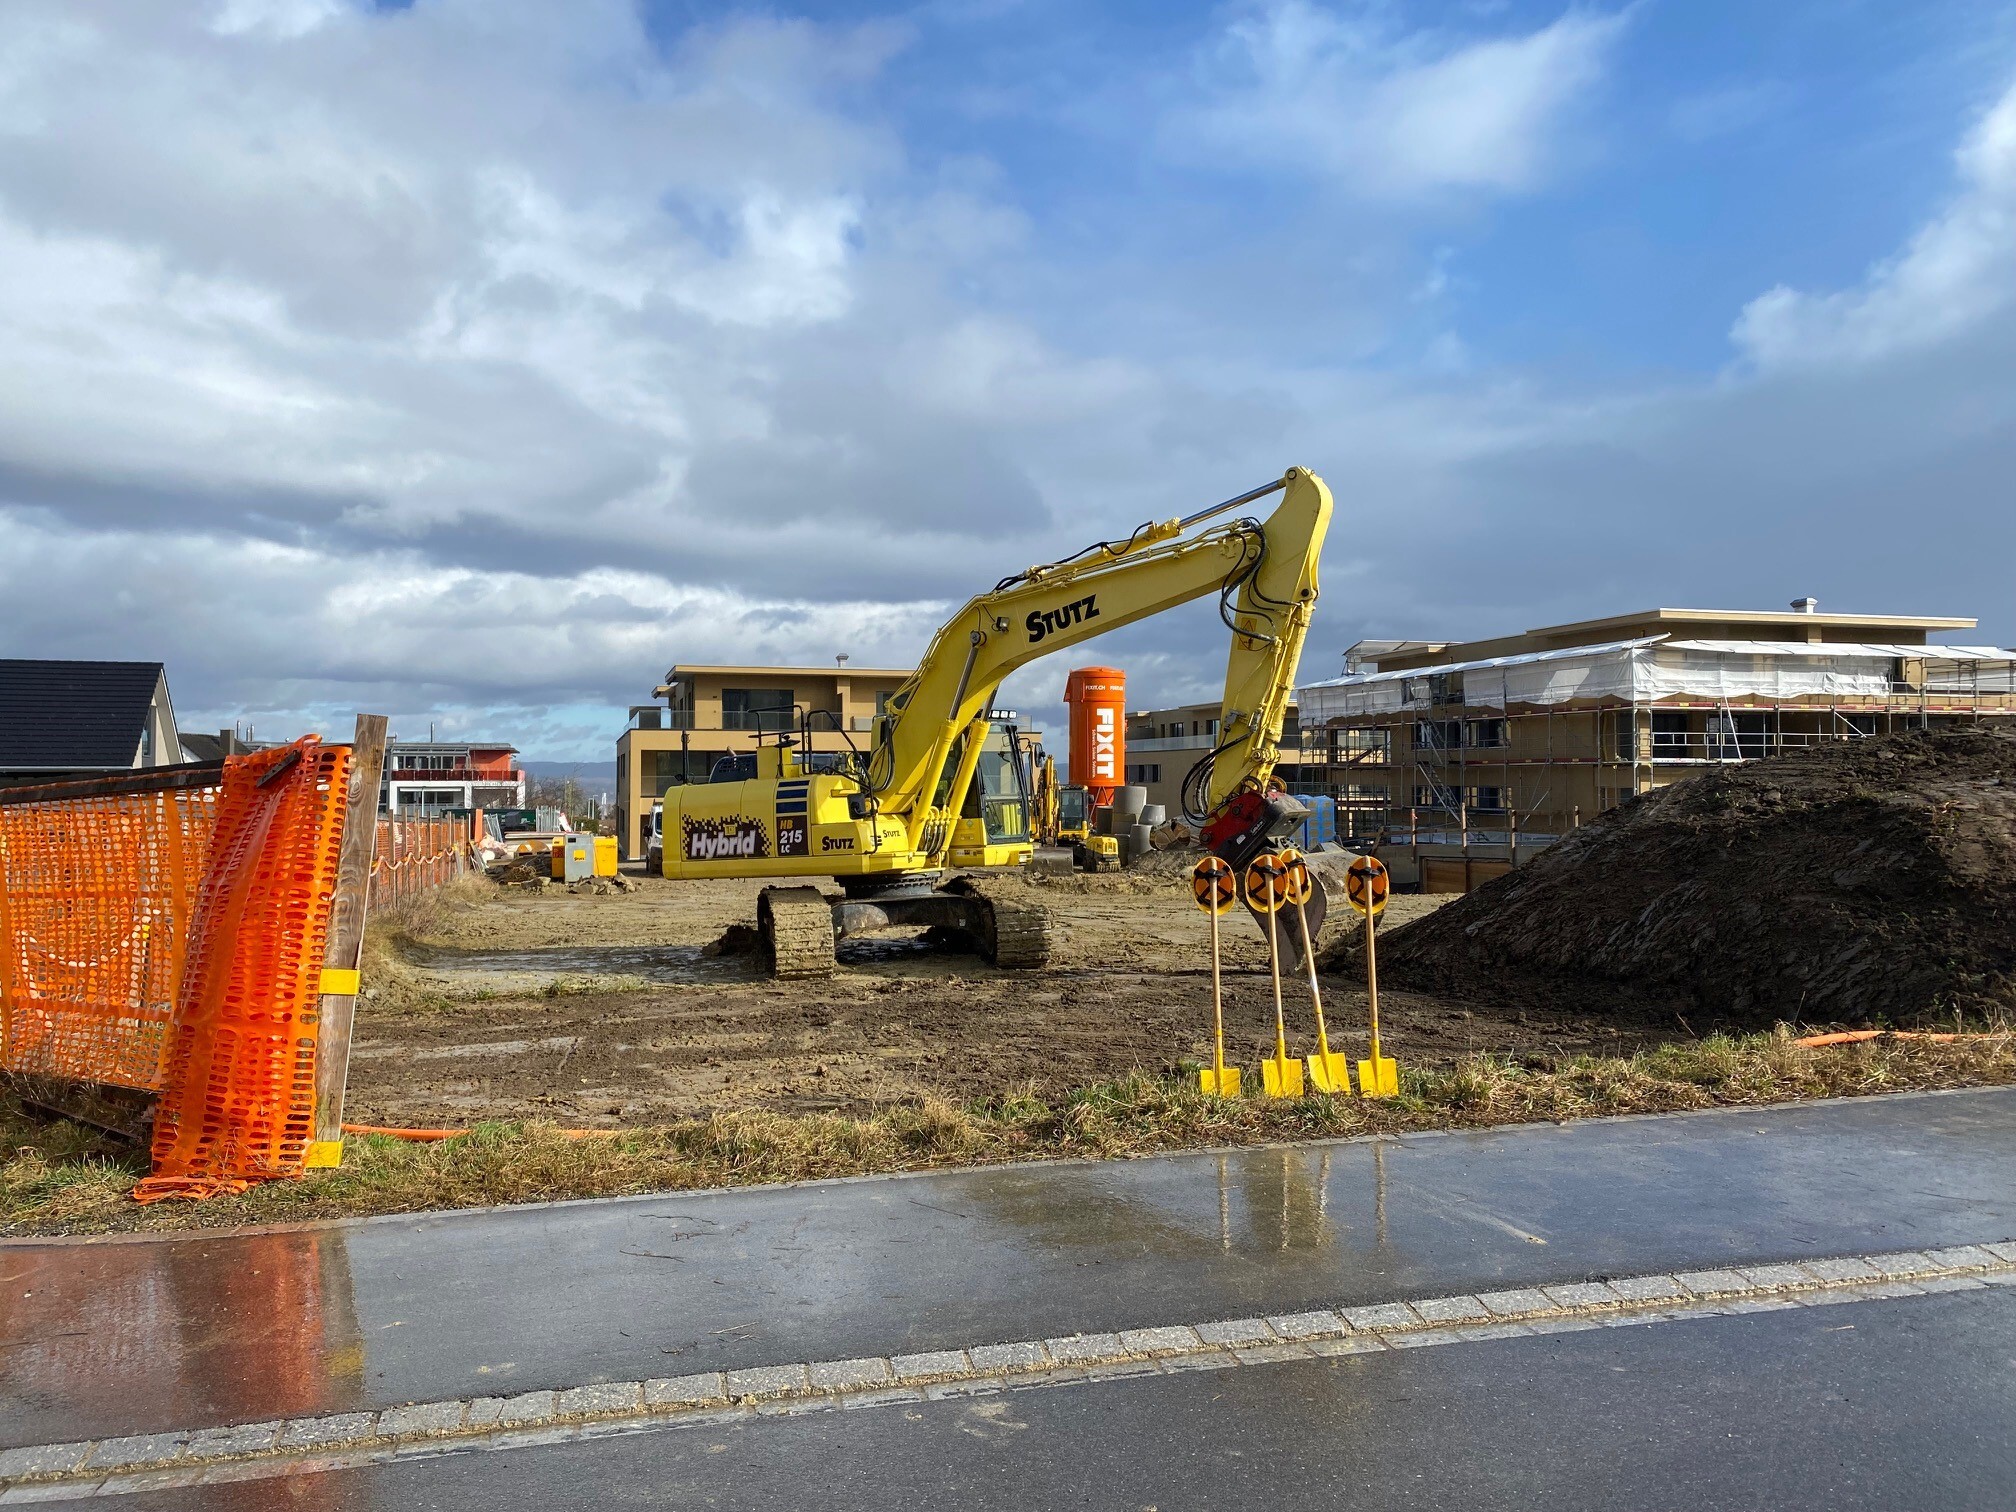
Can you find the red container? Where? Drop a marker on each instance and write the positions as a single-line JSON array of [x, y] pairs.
[[1097, 698]]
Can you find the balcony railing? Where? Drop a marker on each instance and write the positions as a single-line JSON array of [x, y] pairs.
[[453, 774]]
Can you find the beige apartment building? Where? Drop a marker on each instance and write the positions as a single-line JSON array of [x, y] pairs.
[[709, 712], [1456, 761], [1164, 744]]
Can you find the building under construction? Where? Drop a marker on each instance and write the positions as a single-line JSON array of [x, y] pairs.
[[1453, 761]]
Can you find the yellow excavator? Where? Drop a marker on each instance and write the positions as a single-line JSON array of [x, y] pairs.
[[882, 822], [1061, 816]]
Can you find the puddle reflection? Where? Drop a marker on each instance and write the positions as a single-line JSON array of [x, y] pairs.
[[188, 1339]]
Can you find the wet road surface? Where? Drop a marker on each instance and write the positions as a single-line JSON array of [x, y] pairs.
[[1897, 1405], [136, 1337]]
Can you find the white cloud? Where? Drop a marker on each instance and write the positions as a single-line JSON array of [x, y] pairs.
[[1340, 94], [479, 360], [278, 18], [1958, 270], [279, 632]]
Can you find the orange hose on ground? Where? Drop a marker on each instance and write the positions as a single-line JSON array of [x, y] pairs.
[[431, 1136], [1857, 1036]]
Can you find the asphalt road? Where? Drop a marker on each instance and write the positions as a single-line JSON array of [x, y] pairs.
[[142, 1337], [1904, 1402], [1885, 1406]]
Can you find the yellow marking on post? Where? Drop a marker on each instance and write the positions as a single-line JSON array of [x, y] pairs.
[[324, 1154], [340, 981]]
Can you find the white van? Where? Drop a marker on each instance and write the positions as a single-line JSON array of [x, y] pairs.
[[654, 841]]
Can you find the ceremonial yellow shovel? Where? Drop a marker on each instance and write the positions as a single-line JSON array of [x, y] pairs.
[[1328, 1071], [1365, 885], [1214, 885], [1266, 884]]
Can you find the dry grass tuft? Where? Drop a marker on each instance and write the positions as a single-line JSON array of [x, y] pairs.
[[59, 1177]]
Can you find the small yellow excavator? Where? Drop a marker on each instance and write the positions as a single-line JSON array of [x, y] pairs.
[[1061, 816], [882, 822]]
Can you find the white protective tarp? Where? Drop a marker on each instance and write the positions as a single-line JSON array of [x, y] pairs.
[[1654, 668]]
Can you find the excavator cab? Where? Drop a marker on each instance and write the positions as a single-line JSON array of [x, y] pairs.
[[993, 827]]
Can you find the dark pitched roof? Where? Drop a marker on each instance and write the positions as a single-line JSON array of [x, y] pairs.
[[73, 715]]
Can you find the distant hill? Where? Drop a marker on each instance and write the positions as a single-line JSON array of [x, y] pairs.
[[587, 773]]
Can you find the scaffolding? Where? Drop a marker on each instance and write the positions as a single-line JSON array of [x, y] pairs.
[[1493, 758]]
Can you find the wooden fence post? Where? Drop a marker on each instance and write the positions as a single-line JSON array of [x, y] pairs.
[[346, 939]]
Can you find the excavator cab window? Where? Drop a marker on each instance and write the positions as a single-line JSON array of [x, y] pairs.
[[998, 794], [734, 769], [1071, 807]]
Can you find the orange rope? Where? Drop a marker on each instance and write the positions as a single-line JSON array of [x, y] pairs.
[[432, 1136], [1858, 1036]]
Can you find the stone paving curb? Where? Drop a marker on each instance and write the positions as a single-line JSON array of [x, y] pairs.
[[124, 1465]]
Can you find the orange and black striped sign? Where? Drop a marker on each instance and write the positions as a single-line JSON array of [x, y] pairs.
[[1266, 883], [1296, 885], [1213, 885], [1365, 879]]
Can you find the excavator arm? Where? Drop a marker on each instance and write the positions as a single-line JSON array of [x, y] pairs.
[[1264, 573]]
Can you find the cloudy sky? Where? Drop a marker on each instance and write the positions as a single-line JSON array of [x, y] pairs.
[[476, 360]]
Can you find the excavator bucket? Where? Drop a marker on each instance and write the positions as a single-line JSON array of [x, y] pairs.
[[1327, 866]]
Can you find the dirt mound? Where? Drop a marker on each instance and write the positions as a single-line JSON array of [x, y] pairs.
[[1174, 860], [1872, 880]]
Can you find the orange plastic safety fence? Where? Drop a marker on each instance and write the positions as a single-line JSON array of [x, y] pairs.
[[238, 1098], [415, 854], [97, 893]]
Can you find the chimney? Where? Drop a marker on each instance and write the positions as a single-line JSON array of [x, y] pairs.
[[1805, 606]]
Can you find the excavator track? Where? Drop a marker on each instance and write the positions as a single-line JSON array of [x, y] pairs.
[[1015, 932], [796, 926]]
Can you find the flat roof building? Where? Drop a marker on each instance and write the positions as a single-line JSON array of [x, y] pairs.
[[1464, 756], [425, 777], [712, 711], [1164, 744]]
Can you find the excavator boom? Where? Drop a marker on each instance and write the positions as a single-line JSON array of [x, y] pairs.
[[1264, 573]]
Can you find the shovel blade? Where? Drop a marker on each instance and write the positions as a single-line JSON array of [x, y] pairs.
[[1379, 1078], [1281, 1077], [1330, 1073], [1215, 1083]]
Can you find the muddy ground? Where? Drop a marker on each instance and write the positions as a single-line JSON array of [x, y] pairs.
[[605, 1011], [1859, 882]]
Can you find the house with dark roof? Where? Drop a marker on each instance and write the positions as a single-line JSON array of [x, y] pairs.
[[198, 747], [83, 718]]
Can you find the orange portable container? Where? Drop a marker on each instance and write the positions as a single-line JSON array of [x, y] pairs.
[[1097, 699]]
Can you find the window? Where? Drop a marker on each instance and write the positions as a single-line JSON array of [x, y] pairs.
[[1370, 746], [1437, 734], [1736, 737], [1484, 734], [670, 769], [756, 708], [1144, 773], [1487, 800]]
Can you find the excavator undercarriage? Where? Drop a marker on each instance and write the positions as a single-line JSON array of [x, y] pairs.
[[798, 927]]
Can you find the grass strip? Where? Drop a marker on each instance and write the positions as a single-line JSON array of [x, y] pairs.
[[66, 1178]]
